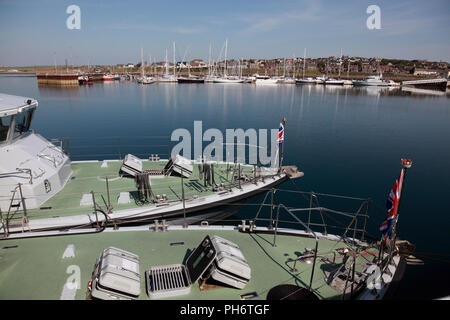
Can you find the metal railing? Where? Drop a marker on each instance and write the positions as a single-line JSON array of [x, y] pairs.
[[19, 170], [324, 213], [99, 148], [274, 225], [282, 206]]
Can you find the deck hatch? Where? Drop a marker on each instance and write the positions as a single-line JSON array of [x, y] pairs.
[[116, 276], [215, 257]]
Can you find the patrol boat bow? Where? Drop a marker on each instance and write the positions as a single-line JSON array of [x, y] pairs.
[[42, 189]]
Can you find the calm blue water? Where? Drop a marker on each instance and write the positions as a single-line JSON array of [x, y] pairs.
[[348, 141]]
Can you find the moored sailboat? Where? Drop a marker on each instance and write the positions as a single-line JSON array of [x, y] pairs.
[[226, 78], [190, 78], [303, 80]]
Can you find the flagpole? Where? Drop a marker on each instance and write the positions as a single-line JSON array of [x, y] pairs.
[[406, 164], [283, 121]]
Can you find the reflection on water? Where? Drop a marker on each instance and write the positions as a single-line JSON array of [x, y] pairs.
[[424, 92]]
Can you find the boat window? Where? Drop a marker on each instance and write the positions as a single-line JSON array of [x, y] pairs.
[[23, 122], [5, 122]]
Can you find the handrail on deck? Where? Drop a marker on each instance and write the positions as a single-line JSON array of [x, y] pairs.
[[66, 147], [309, 231], [307, 226], [19, 170], [322, 211]]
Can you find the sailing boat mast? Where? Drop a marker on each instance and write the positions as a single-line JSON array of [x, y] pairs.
[[225, 68], [240, 69], [304, 62], [348, 67], [189, 65], [174, 62], [149, 65], [167, 65], [142, 63], [293, 64], [340, 63], [209, 61]]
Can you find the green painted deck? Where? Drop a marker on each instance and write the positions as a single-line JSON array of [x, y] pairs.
[[89, 176], [35, 268]]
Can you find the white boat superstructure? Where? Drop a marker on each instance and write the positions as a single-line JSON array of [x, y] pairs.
[[348, 82], [264, 80], [321, 79], [168, 78], [287, 80], [332, 81], [372, 81], [34, 167], [228, 79], [147, 80]]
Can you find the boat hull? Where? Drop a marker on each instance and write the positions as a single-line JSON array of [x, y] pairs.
[[210, 209], [305, 81], [334, 83], [190, 80], [228, 81], [204, 209], [266, 81], [368, 84]]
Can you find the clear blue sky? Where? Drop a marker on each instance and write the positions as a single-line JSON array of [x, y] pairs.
[[113, 31]]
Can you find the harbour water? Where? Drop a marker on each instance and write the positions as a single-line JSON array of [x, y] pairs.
[[348, 141]]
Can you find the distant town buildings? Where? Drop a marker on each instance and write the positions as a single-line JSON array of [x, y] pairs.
[[277, 66], [346, 64]]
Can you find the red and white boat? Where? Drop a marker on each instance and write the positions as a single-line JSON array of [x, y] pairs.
[[108, 77]]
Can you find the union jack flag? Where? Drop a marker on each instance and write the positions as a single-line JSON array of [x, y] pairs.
[[280, 134], [392, 201], [386, 229], [391, 206]]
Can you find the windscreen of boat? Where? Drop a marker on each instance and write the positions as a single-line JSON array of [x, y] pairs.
[[23, 122], [5, 123]]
